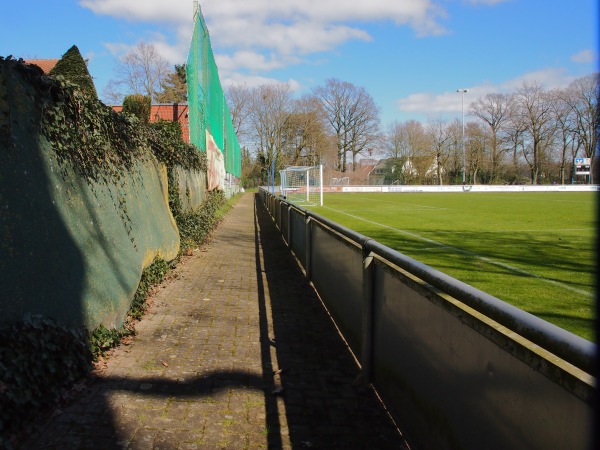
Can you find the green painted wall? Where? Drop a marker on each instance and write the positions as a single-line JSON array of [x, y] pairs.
[[71, 249]]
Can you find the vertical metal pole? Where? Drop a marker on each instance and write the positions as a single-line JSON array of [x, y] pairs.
[[308, 249], [321, 177], [307, 185], [273, 166], [289, 226], [462, 93], [464, 180]]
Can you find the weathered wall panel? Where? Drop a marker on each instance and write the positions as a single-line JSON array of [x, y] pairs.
[[71, 249]]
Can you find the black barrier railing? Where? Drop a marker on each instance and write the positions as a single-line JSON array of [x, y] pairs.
[[568, 346], [498, 328]]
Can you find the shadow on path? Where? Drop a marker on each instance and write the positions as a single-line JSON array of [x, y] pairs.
[[322, 406], [288, 384]]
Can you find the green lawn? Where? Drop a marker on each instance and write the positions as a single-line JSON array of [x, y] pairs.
[[534, 250]]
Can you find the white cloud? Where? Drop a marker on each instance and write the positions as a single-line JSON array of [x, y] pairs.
[[142, 11], [253, 81], [549, 78], [428, 103], [584, 57], [253, 61], [487, 2], [282, 29]]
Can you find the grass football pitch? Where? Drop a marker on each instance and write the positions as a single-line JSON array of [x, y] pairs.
[[535, 250]]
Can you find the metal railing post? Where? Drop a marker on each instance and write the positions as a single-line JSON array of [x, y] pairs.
[[289, 226], [307, 250], [366, 356]]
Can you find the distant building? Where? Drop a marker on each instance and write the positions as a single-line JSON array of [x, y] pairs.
[[45, 64], [377, 174]]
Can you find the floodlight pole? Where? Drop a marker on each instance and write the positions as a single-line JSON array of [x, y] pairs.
[[462, 94]]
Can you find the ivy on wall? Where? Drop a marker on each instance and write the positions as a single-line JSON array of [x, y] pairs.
[[138, 105], [73, 67], [100, 143], [39, 359]]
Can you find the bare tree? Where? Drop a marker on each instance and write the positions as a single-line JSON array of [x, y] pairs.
[[269, 112], [408, 143], [455, 151], [583, 101], [440, 137], [534, 113], [476, 146], [396, 150], [306, 139], [239, 101], [140, 71], [495, 111], [564, 117], [352, 116]]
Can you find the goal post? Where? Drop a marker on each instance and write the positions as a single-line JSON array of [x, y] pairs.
[[302, 185]]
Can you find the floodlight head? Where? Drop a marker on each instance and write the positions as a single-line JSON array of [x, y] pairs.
[[462, 90]]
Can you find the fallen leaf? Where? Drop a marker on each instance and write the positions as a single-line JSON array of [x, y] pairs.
[[277, 391], [165, 364]]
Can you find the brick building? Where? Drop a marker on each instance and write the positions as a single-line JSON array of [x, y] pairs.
[[174, 112]]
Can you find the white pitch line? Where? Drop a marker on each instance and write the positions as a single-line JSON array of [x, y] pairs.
[[562, 230], [475, 255]]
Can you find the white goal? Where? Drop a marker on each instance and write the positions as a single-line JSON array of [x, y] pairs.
[[302, 185]]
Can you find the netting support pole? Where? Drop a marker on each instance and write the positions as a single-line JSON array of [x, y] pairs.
[[308, 249], [321, 177], [307, 185]]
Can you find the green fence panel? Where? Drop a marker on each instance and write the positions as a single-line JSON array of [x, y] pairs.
[[207, 107]]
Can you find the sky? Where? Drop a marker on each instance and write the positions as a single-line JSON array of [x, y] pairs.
[[410, 55]]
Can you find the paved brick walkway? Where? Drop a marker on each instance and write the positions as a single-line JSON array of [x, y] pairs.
[[237, 352]]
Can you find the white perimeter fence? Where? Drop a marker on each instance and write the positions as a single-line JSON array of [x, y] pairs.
[[457, 368], [468, 188]]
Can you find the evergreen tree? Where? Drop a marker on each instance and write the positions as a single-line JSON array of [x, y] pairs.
[[138, 105], [73, 68], [174, 88]]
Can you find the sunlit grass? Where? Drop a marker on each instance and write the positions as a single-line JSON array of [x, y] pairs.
[[534, 250]]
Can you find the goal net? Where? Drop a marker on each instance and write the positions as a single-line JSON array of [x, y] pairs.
[[303, 185], [342, 181]]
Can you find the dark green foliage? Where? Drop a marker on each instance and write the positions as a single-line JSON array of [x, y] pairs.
[[169, 147], [151, 276], [103, 339], [194, 226], [174, 87], [97, 141], [74, 69], [139, 106], [39, 362]]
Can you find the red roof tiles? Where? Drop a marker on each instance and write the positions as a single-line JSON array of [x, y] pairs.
[[45, 64]]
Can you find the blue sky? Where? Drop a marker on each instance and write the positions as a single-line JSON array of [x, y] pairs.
[[410, 55]]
